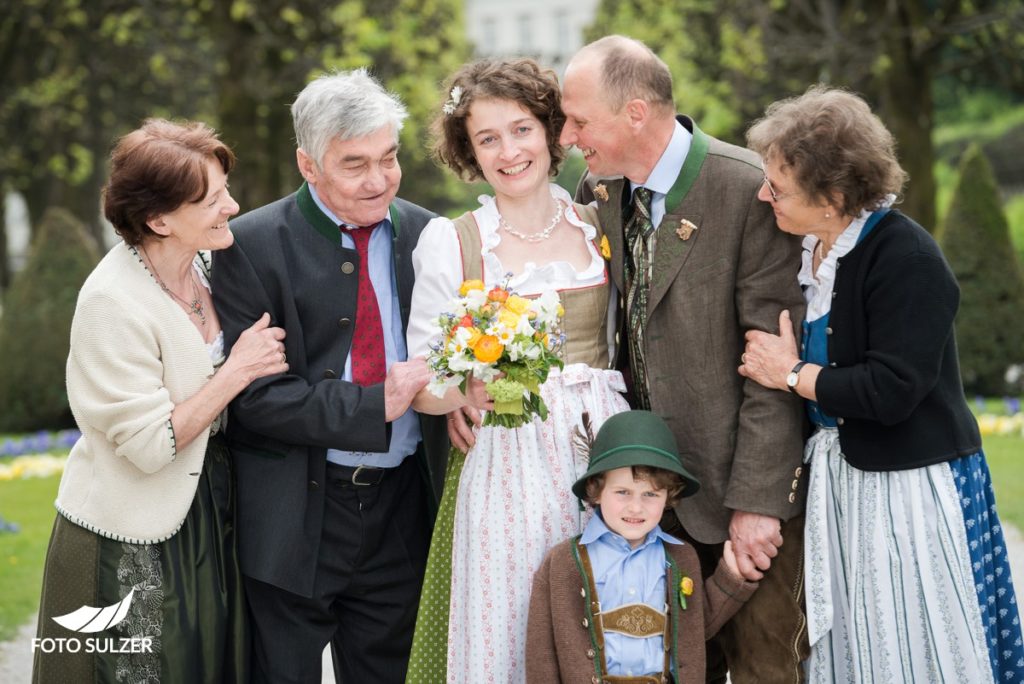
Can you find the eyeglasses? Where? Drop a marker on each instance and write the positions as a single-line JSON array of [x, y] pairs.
[[776, 196]]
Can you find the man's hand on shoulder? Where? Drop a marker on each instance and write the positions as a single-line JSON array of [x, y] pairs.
[[756, 540], [403, 381]]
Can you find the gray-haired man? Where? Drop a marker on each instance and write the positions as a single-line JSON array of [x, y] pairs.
[[332, 505]]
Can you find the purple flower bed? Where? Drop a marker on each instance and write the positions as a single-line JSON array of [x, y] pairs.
[[38, 443]]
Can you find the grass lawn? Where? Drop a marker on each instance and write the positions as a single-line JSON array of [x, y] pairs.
[[1006, 461], [29, 503]]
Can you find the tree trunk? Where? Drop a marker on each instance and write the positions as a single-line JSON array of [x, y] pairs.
[[5, 267], [905, 91]]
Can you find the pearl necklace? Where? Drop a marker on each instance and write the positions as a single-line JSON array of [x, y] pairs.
[[194, 307], [532, 237]]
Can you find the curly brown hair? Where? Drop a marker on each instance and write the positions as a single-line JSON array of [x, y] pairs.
[[658, 477], [520, 80], [834, 144], [157, 168]]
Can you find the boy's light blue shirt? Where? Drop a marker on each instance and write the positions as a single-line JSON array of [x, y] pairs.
[[626, 575], [405, 432]]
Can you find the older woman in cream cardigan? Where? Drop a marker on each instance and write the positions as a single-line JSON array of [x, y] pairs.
[[145, 506]]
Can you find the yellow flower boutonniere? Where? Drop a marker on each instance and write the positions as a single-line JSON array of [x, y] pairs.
[[685, 229], [606, 248], [685, 589], [601, 192]]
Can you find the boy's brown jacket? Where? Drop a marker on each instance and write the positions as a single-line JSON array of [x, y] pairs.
[[558, 645]]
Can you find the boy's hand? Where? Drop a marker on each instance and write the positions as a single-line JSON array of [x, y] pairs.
[[730, 559]]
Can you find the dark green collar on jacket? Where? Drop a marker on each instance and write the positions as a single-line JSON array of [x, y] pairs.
[[691, 166], [324, 225]]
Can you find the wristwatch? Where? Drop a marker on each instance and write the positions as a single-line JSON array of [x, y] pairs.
[[794, 376]]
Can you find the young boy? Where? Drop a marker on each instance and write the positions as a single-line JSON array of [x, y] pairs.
[[624, 602]]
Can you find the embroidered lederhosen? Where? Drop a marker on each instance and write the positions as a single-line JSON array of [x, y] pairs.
[[633, 620], [586, 308]]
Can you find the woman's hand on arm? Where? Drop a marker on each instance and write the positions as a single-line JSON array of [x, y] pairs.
[[768, 359], [258, 352]]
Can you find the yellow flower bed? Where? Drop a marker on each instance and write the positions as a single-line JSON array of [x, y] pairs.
[[34, 465], [1001, 425]]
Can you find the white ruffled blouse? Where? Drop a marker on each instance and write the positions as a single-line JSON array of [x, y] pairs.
[[437, 260]]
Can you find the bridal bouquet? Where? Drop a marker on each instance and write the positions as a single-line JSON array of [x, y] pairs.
[[488, 333]]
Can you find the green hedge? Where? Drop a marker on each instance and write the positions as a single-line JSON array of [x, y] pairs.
[[36, 325], [975, 238]]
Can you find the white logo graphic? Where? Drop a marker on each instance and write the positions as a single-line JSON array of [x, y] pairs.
[[89, 620]]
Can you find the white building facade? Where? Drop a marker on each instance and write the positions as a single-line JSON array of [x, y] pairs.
[[550, 31]]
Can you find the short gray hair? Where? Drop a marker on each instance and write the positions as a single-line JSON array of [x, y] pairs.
[[346, 105]]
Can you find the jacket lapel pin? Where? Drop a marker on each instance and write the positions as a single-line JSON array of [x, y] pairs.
[[601, 192], [685, 229]]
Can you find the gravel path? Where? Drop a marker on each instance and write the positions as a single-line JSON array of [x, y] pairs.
[[16, 655]]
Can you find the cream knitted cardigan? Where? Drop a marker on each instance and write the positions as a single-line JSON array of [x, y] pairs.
[[134, 356]]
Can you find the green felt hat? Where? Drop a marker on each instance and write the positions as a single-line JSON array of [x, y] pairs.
[[635, 438]]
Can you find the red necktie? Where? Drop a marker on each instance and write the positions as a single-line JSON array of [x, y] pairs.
[[369, 366]]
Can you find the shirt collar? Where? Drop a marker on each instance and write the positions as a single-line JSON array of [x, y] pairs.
[[663, 175], [597, 529], [330, 214]]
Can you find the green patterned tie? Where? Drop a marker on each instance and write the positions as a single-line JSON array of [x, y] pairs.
[[640, 243]]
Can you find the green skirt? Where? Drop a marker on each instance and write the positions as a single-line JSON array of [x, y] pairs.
[[188, 596], [428, 661]]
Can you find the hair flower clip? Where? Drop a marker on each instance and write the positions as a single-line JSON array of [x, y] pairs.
[[601, 192], [453, 101], [685, 229]]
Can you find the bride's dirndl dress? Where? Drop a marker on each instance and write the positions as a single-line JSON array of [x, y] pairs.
[[509, 500]]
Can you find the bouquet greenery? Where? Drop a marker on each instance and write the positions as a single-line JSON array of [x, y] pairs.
[[507, 341]]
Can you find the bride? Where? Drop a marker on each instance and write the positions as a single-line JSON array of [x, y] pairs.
[[509, 499]]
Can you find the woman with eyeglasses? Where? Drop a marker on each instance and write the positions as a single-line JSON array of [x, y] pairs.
[[907, 577]]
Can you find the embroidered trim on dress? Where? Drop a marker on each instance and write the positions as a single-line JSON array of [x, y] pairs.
[[139, 569]]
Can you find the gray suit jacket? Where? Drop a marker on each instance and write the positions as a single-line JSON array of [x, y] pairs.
[[735, 272], [287, 259]]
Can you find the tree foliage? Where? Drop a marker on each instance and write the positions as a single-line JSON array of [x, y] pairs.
[[36, 325], [731, 58], [976, 240], [75, 75]]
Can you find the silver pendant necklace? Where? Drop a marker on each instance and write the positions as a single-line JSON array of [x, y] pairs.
[[532, 237], [194, 307]]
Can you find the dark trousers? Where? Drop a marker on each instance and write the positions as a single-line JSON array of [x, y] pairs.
[[766, 641], [369, 573]]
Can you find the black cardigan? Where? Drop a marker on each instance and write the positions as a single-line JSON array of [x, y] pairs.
[[893, 380]]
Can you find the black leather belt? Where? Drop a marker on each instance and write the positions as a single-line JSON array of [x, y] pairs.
[[358, 476]]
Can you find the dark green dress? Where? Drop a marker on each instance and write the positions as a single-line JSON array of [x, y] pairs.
[[188, 594]]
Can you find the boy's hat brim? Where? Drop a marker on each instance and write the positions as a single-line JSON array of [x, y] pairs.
[[635, 438]]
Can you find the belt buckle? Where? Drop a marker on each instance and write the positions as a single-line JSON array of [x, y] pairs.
[[368, 469]]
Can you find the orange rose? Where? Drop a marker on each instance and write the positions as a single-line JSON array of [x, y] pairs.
[[497, 294], [488, 349], [465, 322]]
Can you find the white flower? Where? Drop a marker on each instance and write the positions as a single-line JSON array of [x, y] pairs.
[[439, 386], [453, 101], [475, 299]]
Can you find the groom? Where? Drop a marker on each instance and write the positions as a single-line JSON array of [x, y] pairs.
[[700, 261]]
